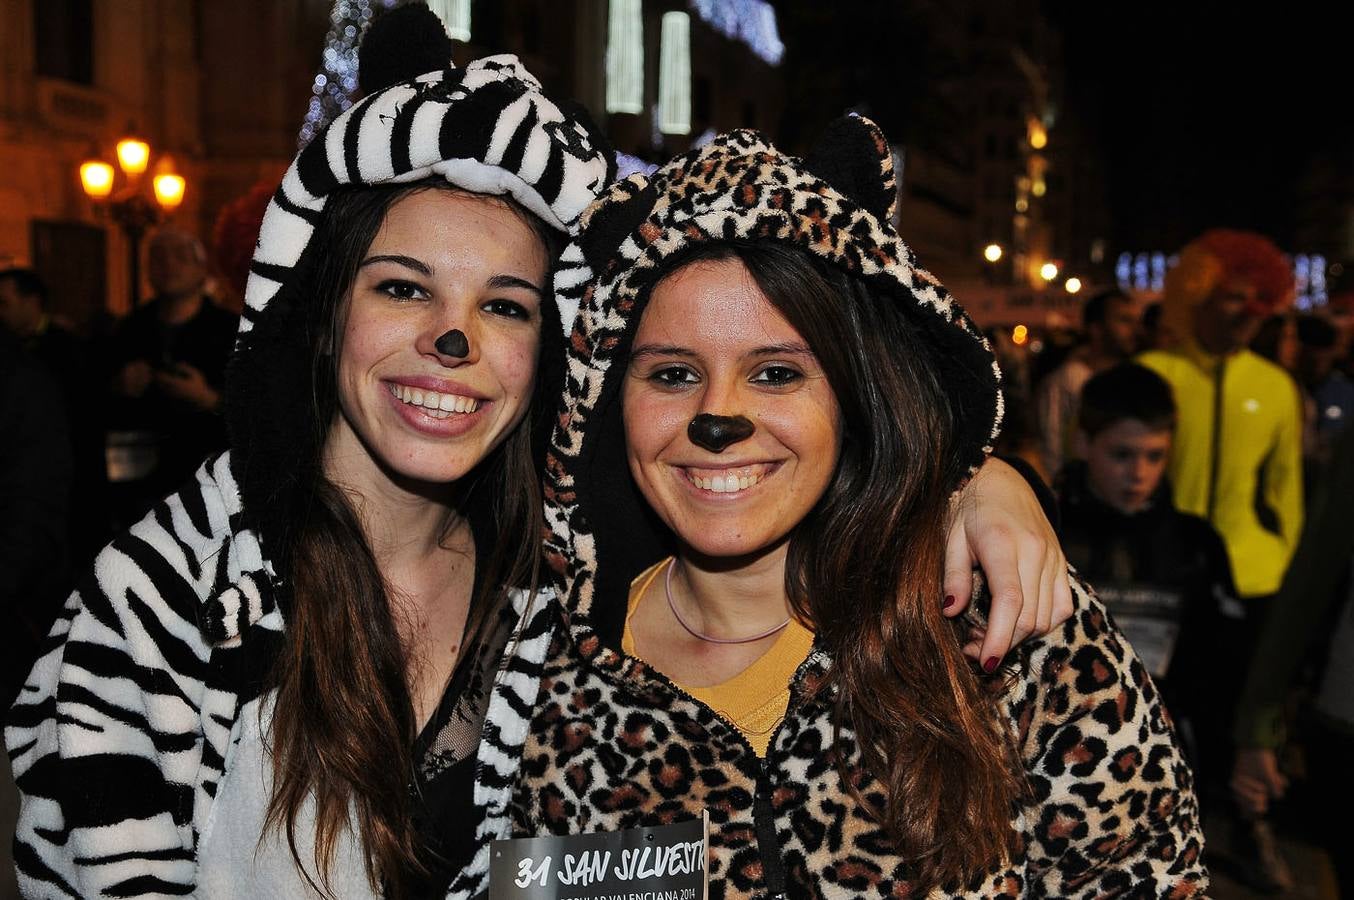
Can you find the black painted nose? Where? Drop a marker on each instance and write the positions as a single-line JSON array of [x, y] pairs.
[[453, 343], [714, 433]]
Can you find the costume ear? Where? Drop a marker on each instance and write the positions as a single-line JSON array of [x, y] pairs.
[[400, 45], [853, 156], [615, 218]]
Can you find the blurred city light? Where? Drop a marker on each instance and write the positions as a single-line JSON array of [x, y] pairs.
[[97, 179], [133, 155], [992, 252], [1048, 271], [1020, 334], [169, 190], [1073, 285]]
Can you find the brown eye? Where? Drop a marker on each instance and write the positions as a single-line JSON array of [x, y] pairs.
[[508, 309], [777, 376], [673, 376], [399, 289]]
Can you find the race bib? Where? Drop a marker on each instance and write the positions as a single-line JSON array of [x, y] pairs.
[[667, 862]]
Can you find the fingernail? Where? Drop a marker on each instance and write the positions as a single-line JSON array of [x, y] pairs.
[[991, 665], [949, 601]]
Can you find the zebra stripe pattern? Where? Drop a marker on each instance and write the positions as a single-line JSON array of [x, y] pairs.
[[126, 725], [486, 128]]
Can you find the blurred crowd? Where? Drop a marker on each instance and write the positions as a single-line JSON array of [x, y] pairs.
[[100, 422], [1199, 450]]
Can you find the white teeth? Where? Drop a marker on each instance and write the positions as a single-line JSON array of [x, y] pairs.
[[434, 404], [726, 484]]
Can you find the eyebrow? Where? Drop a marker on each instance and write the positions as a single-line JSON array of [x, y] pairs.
[[512, 281], [498, 281], [787, 348], [407, 261]]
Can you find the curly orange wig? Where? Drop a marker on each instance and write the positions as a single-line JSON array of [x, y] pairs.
[[1223, 254]]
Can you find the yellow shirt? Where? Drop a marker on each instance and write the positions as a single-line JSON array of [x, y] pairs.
[[1259, 442], [755, 700]]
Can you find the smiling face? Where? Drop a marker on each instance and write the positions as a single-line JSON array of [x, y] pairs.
[[711, 343], [440, 260]]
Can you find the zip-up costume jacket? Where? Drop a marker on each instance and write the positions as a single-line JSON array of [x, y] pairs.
[[614, 744], [1240, 427], [129, 724]]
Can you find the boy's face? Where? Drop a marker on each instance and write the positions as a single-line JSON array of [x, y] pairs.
[[1125, 463]]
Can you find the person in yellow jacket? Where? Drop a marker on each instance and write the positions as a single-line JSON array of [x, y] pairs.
[[1237, 457], [1237, 462]]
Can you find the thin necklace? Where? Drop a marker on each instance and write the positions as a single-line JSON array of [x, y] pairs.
[[667, 588]]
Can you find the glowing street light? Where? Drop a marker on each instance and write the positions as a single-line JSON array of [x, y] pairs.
[[1019, 335], [132, 207], [168, 191], [1048, 271], [133, 155], [1073, 285], [96, 178], [992, 252]]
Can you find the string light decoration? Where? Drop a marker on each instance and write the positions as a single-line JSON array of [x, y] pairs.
[[332, 90], [625, 57], [1309, 273], [751, 21], [1146, 272], [674, 74]]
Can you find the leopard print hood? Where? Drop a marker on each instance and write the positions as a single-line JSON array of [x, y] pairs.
[[837, 205]]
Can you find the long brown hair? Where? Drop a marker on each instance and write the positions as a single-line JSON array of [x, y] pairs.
[[865, 568], [343, 727]]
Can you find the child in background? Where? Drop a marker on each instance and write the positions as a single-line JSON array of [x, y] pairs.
[[1162, 573]]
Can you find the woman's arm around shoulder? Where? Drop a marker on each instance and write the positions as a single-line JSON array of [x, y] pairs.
[[1112, 808]]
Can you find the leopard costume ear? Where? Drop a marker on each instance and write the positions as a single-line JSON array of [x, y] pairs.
[[854, 157]]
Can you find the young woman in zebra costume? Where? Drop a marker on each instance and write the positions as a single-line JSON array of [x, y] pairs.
[[290, 677]]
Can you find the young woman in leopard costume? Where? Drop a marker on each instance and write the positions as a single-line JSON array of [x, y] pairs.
[[769, 404]]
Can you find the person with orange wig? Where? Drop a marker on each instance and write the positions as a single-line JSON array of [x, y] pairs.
[[1237, 456]]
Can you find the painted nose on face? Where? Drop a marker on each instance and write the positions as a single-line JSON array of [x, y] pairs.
[[453, 343], [714, 433]]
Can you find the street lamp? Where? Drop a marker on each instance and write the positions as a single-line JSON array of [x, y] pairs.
[[1073, 285], [129, 207], [992, 252], [1048, 271]]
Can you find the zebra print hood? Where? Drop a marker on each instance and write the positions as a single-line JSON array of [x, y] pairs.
[[487, 128]]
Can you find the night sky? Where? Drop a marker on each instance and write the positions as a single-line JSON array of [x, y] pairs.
[[1209, 116], [1203, 116]]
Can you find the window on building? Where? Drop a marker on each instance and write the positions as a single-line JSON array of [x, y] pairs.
[[674, 74], [455, 16], [63, 39], [625, 57]]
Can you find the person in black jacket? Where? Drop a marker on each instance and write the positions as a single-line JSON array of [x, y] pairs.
[[1163, 574], [35, 485]]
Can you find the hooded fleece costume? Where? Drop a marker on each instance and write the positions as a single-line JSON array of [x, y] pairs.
[[614, 744], [129, 728]]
